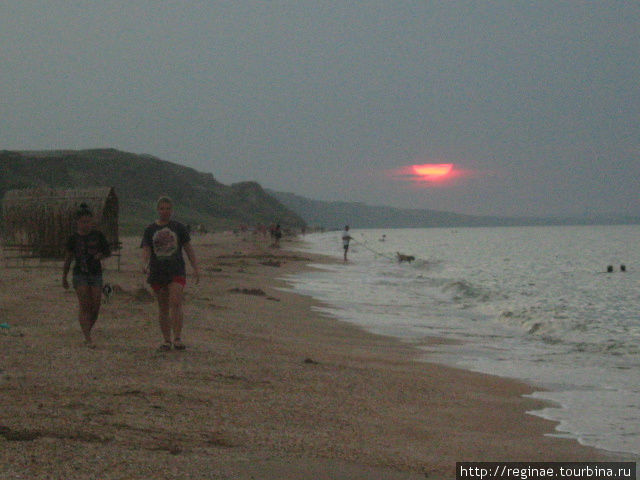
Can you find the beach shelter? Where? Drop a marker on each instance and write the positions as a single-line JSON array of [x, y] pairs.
[[36, 222]]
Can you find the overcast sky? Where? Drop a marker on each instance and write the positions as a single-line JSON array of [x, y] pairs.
[[535, 103]]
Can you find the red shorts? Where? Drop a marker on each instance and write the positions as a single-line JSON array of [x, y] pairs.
[[159, 286]]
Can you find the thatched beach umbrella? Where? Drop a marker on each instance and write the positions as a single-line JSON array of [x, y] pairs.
[[38, 221]]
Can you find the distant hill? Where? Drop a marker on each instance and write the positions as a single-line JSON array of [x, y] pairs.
[[334, 215], [139, 180]]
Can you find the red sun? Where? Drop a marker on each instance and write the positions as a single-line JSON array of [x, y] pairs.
[[432, 171], [427, 175]]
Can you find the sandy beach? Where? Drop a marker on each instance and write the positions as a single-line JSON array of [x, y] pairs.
[[267, 388]]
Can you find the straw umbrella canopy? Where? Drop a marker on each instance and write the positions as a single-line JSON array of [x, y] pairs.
[[38, 221]]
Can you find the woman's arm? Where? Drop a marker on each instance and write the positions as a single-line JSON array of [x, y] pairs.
[[65, 270], [146, 256], [192, 259]]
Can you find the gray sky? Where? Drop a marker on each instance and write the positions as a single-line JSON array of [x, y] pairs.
[[535, 103]]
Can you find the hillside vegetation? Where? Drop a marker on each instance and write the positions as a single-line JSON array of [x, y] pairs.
[[139, 180]]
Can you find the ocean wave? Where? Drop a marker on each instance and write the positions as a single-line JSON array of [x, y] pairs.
[[609, 346], [464, 290], [576, 335], [531, 320], [427, 264]]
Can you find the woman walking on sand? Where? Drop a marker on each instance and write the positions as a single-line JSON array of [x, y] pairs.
[[162, 245], [87, 246]]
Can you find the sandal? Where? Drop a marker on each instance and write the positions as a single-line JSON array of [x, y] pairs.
[[178, 345], [165, 347]]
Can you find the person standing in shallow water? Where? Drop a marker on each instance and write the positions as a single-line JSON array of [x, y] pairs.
[[346, 238], [162, 245], [87, 246]]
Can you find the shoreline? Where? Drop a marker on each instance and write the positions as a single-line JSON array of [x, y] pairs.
[[267, 387], [571, 423], [423, 354]]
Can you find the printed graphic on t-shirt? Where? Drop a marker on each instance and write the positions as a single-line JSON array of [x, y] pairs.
[[165, 243]]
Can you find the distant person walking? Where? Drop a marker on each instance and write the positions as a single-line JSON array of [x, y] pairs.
[[162, 245], [346, 238], [86, 248], [277, 235]]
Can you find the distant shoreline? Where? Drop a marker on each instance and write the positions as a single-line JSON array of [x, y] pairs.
[[334, 215]]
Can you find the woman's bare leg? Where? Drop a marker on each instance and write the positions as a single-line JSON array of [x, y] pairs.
[[163, 313], [95, 294], [175, 303], [85, 312]]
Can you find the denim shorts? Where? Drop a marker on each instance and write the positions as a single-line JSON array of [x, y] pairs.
[[87, 280]]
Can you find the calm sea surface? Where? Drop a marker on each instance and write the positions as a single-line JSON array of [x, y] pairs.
[[533, 303]]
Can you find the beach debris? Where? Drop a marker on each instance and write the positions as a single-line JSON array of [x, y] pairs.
[[213, 305], [131, 391], [175, 449], [170, 446], [231, 376], [19, 435], [248, 291], [221, 440], [271, 263], [6, 329], [273, 299]]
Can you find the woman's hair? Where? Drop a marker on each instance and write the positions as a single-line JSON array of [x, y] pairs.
[[84, 211], [164, 199]]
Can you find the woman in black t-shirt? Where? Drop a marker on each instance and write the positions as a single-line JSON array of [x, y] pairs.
[[162, 245], [86, 247]]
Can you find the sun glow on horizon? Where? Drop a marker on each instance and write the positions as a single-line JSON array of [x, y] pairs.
[[426, 174], [432, 171], [432, 175]]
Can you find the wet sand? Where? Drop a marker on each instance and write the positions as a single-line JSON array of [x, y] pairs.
[[267, 388]]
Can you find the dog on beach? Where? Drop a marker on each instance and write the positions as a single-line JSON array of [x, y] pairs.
[[405, 258], [107, 292]]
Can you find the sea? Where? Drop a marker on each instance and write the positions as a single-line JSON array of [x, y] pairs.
[[531, 303]]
